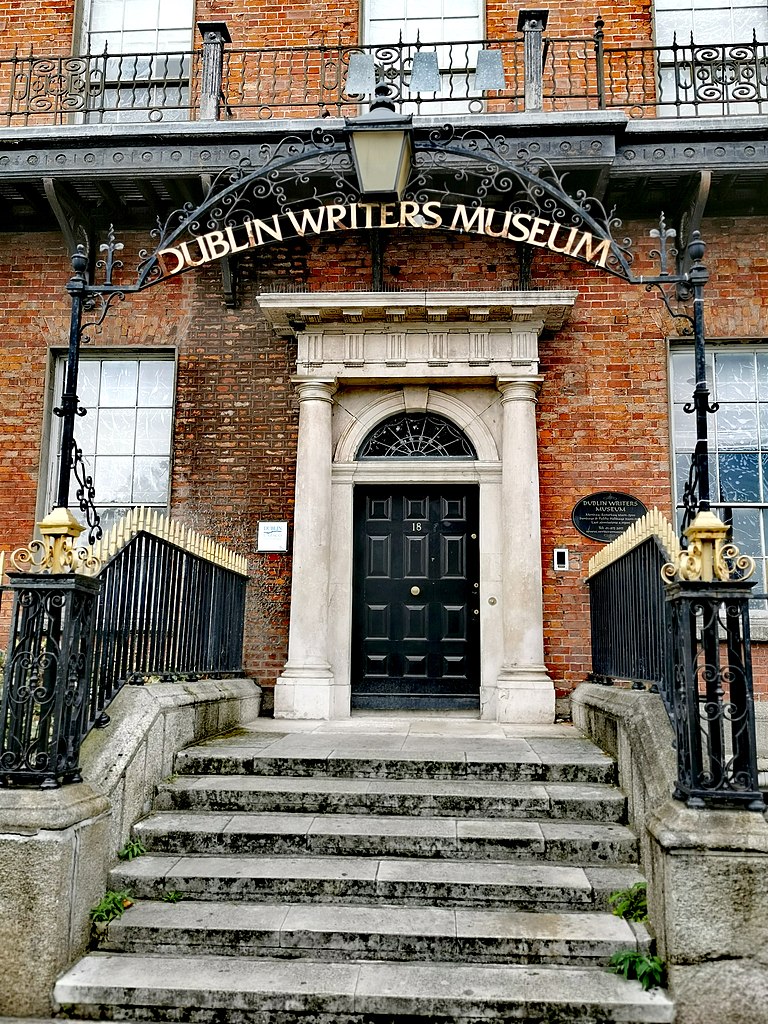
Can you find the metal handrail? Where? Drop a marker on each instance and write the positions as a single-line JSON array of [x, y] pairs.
[[676, 80]]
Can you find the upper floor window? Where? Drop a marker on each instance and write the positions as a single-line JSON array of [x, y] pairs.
[[139, 59], [442, 74], [139, 26], [125, 437], [432, 21], [719, 73], [710, 21]]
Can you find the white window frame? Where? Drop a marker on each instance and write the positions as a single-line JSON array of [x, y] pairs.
[[132, 85], [110, 510], [717, 432], [457, 89], [85, 33]]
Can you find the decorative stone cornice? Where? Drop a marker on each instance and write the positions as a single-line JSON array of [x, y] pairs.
[[545, 309]]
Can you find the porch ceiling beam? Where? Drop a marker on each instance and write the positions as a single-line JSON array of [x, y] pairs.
[[32, 197], [112, 200], [68, 209], [151, 197]]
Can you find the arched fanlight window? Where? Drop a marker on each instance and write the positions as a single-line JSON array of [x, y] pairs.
[[421, 435]]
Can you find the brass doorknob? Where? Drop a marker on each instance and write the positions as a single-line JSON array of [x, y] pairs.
[[415, 591]]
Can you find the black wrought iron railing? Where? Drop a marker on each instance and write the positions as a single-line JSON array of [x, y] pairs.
[[472, 76], [163, 611], [154, 600], [629, 620], [679, 621]]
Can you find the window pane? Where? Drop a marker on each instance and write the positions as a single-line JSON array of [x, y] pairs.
[[683, 381], [85, 432], [736, 426], [117, 429], [113, 479], [682, 468], [175, 13], [684, 427], [156, 382], [150, 484], [735, 376], [153, 432], [762, 376], [386, 9], [739, 480], [88, 383], [106, 15], [712, 26], [423, 8], [126, 448], [118, 382], [461, 28], [141, 13], [461, 8], [746, 531]]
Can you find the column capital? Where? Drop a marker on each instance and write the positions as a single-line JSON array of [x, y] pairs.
[[518, 389], [316, 390]]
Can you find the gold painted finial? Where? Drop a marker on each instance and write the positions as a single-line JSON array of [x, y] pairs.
[[56, 552], [708, 559]]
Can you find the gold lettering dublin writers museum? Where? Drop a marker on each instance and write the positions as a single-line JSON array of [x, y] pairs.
[[478, 220]]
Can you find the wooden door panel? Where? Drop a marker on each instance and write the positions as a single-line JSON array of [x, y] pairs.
[[416, 649]]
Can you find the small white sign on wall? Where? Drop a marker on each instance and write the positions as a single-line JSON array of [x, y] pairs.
[[273, 537]]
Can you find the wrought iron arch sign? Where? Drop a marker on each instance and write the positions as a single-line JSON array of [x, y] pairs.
[[462, 173]]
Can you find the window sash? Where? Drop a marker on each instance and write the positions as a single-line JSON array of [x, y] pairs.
[[738, 440], [126, 437]]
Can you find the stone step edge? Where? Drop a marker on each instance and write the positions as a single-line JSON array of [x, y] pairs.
[[195, 762], [564, 800], [381, 928], [421, 990], [314, 878], [236, 832]]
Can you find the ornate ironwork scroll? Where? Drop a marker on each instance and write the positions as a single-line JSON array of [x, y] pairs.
[[47, 676], [416, 435], [712, 699]]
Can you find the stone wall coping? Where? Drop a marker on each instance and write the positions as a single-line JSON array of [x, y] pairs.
[[106, 753], [677, 827], [26, 812]]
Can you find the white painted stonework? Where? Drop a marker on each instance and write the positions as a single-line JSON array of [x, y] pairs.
[[471, 357]]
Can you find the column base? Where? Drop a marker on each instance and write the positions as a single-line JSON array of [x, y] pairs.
[[310, 691], [525, 696]]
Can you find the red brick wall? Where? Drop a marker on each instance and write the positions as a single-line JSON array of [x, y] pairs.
[[602, 411]]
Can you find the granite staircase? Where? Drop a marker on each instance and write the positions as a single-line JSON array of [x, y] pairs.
[[377, 871]]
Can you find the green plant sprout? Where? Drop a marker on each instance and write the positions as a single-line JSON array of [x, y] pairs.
[[632, 903], [648, 970], [133, 848], [111, 905], [172, 896]]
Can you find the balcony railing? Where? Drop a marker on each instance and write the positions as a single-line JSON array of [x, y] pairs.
[[471, 76]]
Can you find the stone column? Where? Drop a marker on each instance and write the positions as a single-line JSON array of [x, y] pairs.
[[525, 692], [306, 687]]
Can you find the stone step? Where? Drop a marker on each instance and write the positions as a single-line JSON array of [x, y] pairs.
[[355, 880], [561, 761], [388, 836], [378, 932], [207, 989], [420, 797]]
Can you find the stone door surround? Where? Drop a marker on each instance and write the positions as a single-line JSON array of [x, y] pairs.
[[473, 358]]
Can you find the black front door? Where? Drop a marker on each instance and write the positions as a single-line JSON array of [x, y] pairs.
[[416, 629]]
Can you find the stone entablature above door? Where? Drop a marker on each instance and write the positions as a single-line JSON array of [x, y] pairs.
[[373, 336]]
